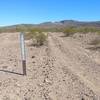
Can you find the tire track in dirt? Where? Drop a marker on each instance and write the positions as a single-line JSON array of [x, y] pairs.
[[84, 66], [61, 66], [47, 70]]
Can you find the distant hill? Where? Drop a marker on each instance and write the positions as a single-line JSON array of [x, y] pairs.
[[61, 23], [52, 25], [71, 23]]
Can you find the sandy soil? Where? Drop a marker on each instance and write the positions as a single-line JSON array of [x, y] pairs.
[[63, 69]]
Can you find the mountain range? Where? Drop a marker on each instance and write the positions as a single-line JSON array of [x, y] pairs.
[[57, 24]]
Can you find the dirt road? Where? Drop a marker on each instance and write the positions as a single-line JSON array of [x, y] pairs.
[[61, 70]]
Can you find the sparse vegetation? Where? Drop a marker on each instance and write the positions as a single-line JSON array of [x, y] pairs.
[[69, 31], [38, 36], [37, 33]]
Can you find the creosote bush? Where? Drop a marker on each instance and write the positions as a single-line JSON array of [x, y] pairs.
[[38, 37], [69, 31]]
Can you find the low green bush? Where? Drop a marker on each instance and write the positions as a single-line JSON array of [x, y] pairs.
[[38, 37], [69, 31]]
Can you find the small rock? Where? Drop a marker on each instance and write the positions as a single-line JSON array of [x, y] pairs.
[[33, 62], [15, 65], [82, 99], [10, 59], [33, 56], [47, 81]]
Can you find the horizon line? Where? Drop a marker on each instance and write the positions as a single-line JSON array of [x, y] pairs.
[[48, 21]]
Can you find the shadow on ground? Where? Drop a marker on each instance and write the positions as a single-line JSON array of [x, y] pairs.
[[11, 72]]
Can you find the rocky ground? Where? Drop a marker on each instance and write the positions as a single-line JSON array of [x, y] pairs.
[[64, 69]]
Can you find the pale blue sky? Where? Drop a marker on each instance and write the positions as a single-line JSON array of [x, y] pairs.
[[37, 11]]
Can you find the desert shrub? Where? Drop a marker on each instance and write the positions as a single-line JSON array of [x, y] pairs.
[[41, 38], [87, 29], [38, 37], [70, 31]]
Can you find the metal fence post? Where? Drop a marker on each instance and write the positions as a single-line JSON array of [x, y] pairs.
[[23, 54]]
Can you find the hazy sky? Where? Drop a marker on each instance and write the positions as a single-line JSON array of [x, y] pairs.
[[37, 11]]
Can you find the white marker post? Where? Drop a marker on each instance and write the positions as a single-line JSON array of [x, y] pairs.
[[23, 54]]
